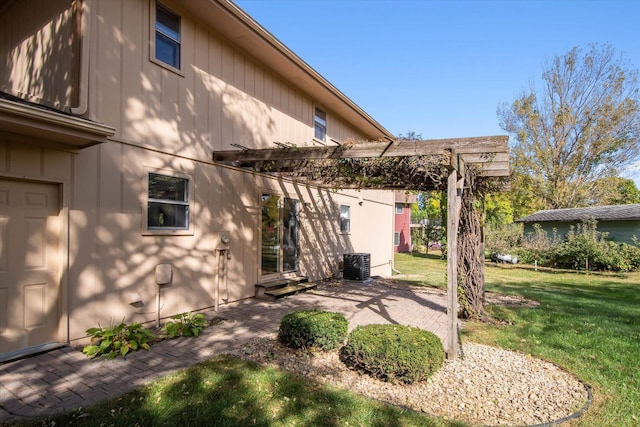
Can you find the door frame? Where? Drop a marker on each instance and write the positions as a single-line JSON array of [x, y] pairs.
[[64, 313]]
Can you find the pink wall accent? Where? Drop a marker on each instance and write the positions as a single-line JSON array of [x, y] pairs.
[[402, 225]]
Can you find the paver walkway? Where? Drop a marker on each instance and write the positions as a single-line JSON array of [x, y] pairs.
[[65, 379]]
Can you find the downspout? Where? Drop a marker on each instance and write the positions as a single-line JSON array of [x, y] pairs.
[[83, 78], [393, 270]]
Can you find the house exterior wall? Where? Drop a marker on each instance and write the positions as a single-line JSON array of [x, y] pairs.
[[559, 229], [171, 122], [617, 231], [402, 226], [39, 44], [402, 221]]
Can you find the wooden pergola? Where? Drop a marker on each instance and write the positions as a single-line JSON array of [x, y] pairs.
[[421, 165]]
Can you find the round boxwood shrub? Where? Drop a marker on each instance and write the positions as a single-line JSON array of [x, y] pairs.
[[393, 352], [322, 330]]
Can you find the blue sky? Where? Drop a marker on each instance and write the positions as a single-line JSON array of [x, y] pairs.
[[441, 68]]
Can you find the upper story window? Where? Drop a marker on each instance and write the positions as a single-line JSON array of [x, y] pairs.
[[399, 208], [345, 219], [167, 202], [320, 124], [168, 39]]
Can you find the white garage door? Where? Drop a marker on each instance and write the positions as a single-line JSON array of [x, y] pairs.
[[29, 266]]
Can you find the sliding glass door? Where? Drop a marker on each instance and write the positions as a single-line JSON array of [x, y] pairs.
[[280, 234]]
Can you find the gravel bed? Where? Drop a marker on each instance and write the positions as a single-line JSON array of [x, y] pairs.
[[489, 386]]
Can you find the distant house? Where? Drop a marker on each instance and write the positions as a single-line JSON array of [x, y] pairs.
[[621, 222], [402, 221]]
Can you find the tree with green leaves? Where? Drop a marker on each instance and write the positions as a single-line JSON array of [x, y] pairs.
[[427, 211], [498, 209], [614, 190], [582, 125]]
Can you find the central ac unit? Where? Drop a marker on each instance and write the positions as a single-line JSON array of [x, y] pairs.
[[356, 266]]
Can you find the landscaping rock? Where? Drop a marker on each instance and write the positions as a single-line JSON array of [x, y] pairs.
[[489, 386]]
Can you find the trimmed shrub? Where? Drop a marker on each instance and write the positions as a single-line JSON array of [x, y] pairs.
[[314, 329], [393, 352]]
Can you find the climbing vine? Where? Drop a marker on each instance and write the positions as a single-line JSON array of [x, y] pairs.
[[471, 255], [412, 173]]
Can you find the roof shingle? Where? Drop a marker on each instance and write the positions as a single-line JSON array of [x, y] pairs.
[[600, 213]]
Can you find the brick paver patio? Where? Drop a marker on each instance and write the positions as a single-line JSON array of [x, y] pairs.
[[65, 379]]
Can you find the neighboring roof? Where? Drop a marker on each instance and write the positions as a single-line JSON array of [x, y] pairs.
[[601, 213], [405, 197]]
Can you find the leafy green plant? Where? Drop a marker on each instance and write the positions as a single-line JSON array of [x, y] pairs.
[[393, 352], [117, 340], [313, 329], [583, 247], [185, 324]]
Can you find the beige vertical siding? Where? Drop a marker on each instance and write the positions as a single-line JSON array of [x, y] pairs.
[[33, 161], [221, 96], [37, 47]]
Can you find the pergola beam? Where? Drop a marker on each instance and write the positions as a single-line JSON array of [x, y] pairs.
[[479, 150]]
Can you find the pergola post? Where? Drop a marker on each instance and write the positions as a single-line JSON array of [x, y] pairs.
[[455, 183]]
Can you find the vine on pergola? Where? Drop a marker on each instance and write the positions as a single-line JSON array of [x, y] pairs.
[[410, 173], [471, 250]]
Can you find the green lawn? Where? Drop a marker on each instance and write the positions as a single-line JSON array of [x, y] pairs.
[[586, 323], [227, 391]]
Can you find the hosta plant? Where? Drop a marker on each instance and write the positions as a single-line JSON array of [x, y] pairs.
[[118, 340], [185, 324]]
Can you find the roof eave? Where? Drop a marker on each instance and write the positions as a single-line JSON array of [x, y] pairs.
[[45, 125]]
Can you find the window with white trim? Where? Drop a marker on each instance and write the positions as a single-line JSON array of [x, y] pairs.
[[345, 219], [396, 238], [167, 41], [399, 208], [320, 124], [167, 202]]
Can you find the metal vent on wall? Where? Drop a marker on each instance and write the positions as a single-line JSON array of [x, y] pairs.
[[356, 266]]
